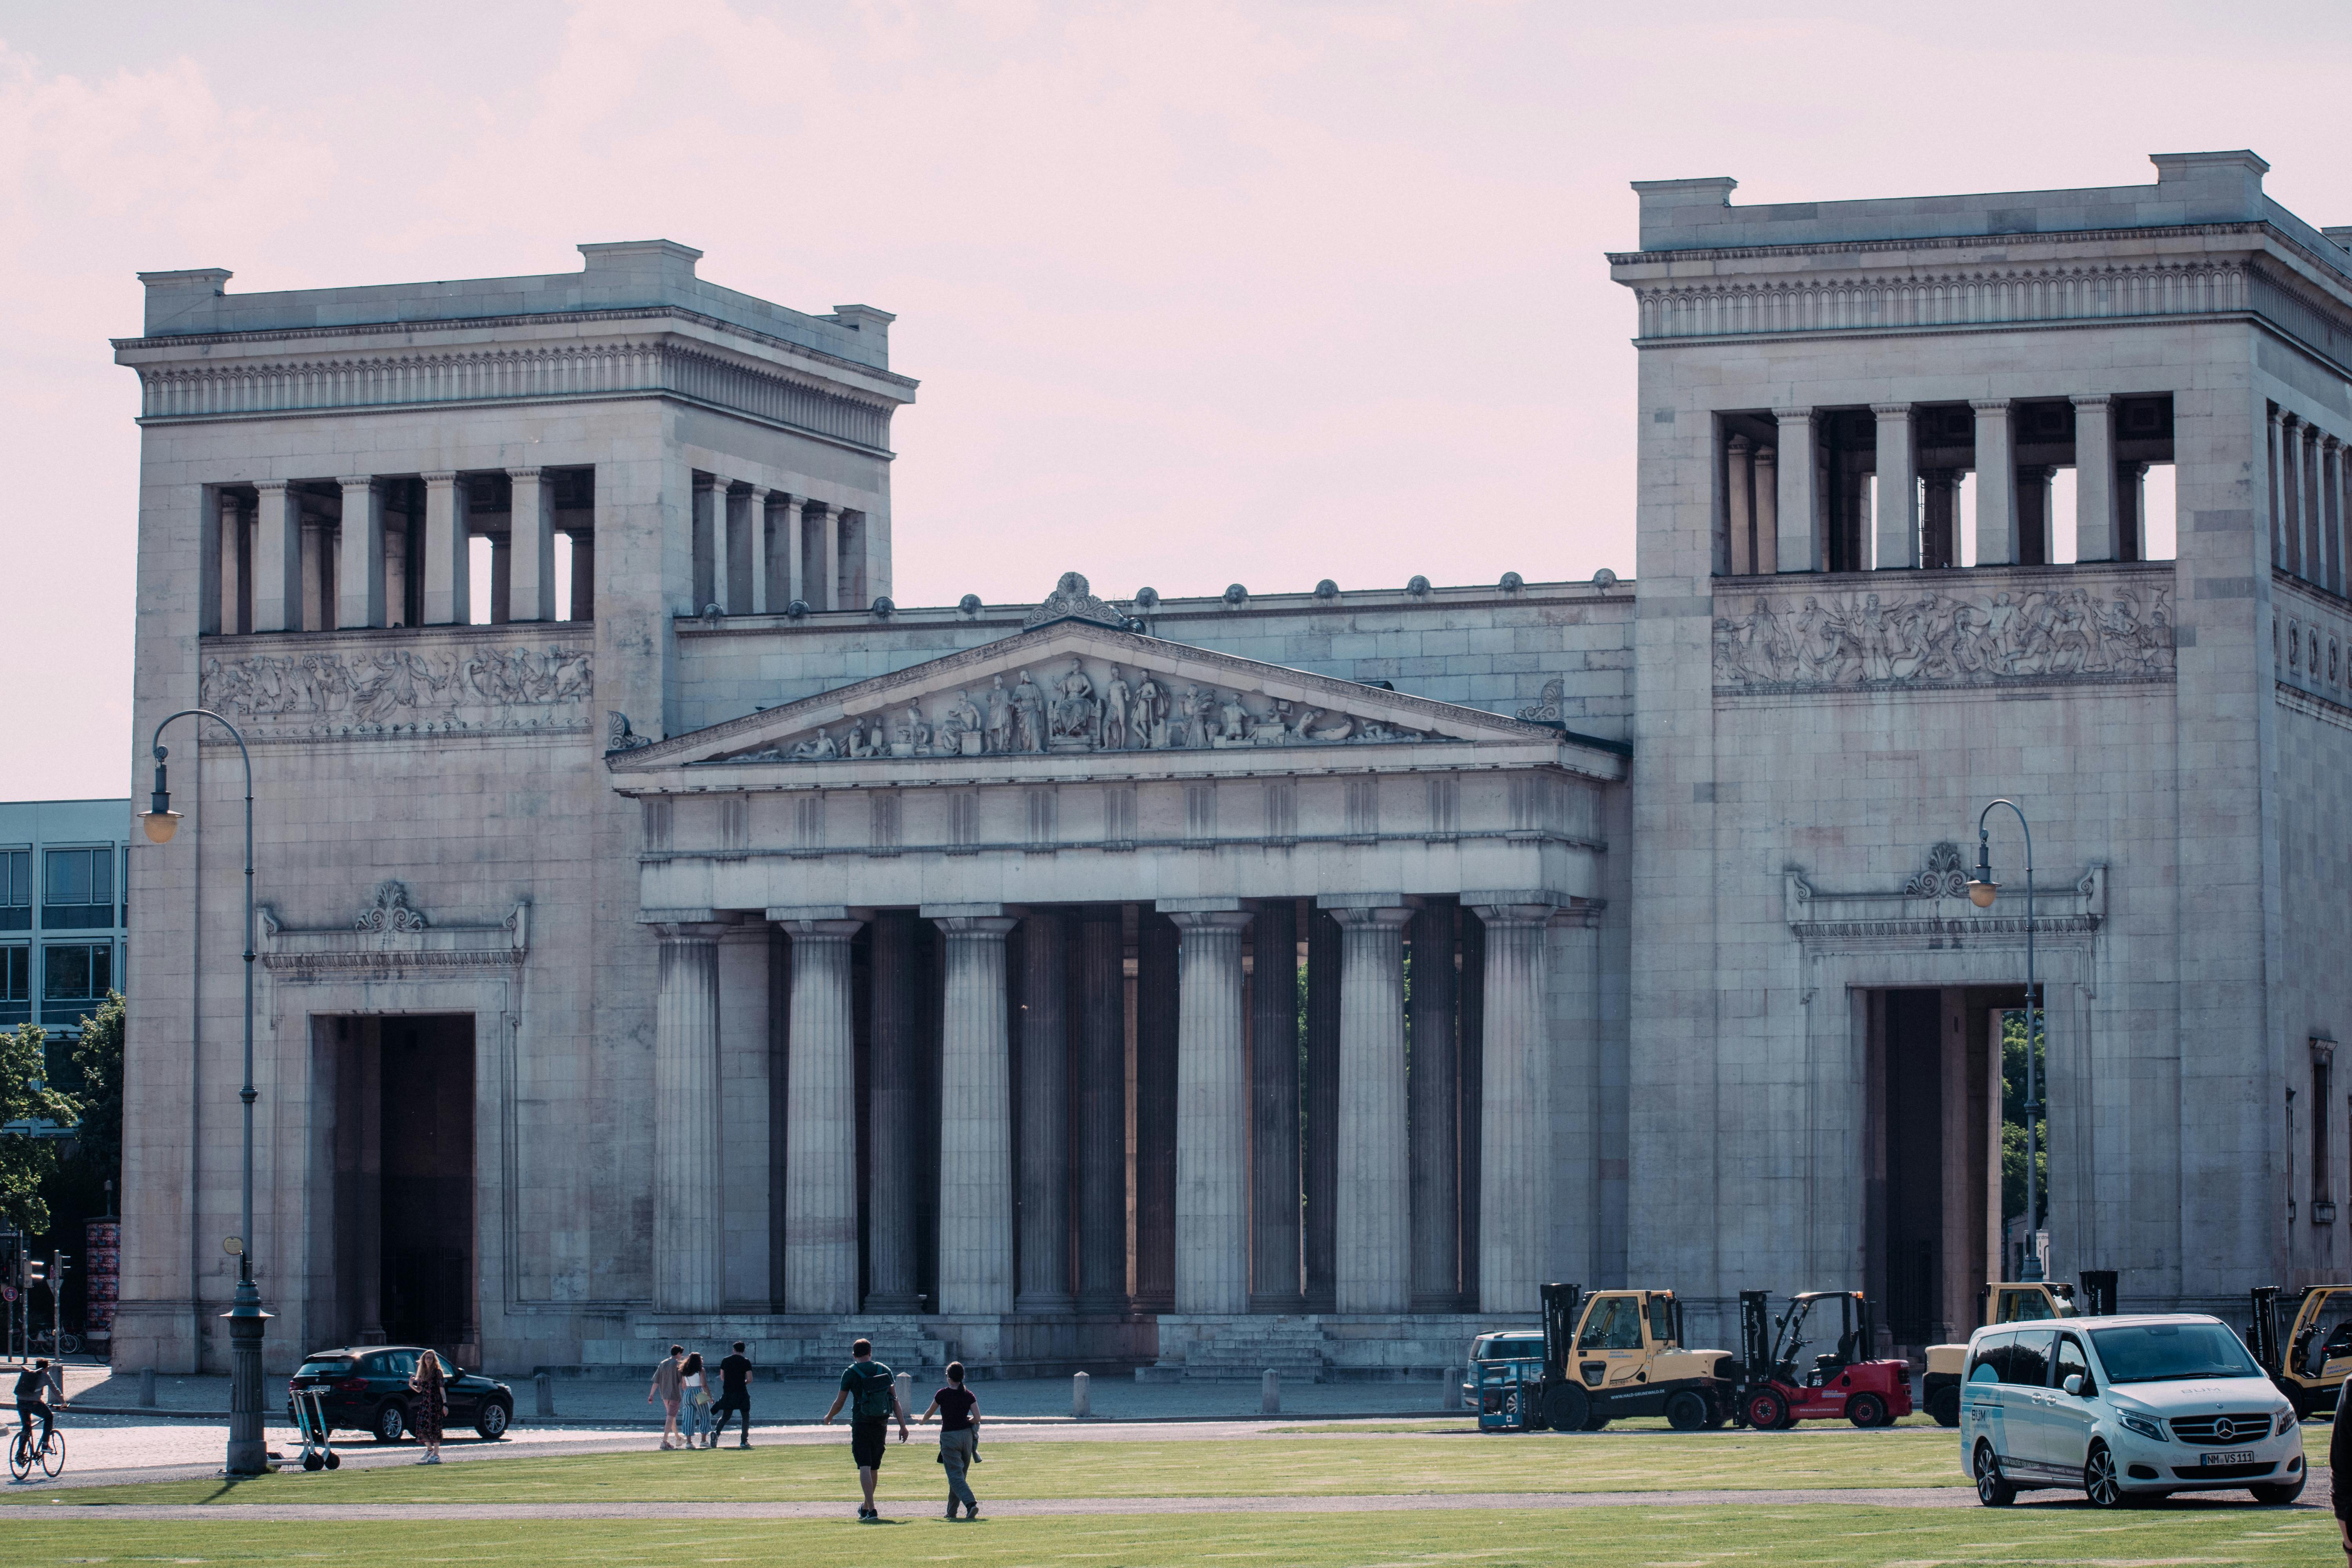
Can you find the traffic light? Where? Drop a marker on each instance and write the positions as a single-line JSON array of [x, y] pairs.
[[35, 1272]]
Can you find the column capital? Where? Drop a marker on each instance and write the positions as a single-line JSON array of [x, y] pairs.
[[272, 487], [760, 493], [2277, 414], [698, 932], [703, 481], [1891, 410], [1209, 920], [1764, 456], [441, 480], [982, 928], [2092, 400], [2286, 421], [788, 500], [1528, 915], [821, 931], [2327, 443], [1391, 915], [1793, 416], [527, 473], [1989, 404], [1740, 445], [360, 482]]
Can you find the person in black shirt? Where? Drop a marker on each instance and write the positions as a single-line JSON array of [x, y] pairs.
[[958, 1414], [734, 1394], [32, 1384]]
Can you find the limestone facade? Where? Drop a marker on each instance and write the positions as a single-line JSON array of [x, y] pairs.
[[717, 948]]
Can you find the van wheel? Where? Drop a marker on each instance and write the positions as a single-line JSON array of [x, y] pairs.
[[2277, 1495], [1991, 1491], [1866, 1410], [1686, 1411], [1944, 1404], [2100, 1482]]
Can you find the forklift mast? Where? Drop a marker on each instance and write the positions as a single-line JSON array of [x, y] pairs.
[[1867, 1315], [1755, 1334], [2098, 1293], [1558, 1328], [2263, 1339]]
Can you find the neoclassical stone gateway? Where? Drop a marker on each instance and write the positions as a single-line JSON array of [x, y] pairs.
[[668, 935]]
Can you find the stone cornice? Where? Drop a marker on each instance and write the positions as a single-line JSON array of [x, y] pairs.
[[1842, 247]]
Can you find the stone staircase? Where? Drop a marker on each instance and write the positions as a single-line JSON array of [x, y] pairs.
[[901, 1344], [1240, 1349]]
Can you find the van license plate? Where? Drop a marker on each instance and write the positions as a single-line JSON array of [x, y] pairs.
[[2228, 1457]]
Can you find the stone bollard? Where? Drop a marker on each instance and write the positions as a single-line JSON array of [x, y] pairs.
[[146, 1388], [1269, 1398], [1450, 1396], [544, 1386], [906, 1384], [1079, 1383]]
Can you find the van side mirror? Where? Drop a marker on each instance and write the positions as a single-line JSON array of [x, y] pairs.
[[2073, 1384]]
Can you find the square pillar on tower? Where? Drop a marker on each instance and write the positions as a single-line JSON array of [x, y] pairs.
[[893, 1106], [531, 536], [278, 559], [1275, 1281], [1939, 519], [2290, 491], [1374, 1210], [1739, 516], [1099, 956], [820, 1116], [2333, 523], [2034, 524], [449, 552], [1765, 488], [2095, 478], [976, 1192], [1799, 492], [1898, 487], [1045, 1161], [755, 521], [1995, 484], [828, 562], [1212, 1112], [360, 581], [688, 1262], [790, 552], [2131, 512], [2314, 546]]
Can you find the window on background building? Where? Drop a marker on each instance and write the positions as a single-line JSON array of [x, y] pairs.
[[75, 977], [15, 985], [16, 889], [77, 891]]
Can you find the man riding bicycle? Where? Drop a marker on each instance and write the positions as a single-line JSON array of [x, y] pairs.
[[32, 1386]]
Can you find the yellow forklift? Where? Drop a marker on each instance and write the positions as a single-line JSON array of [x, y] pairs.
[[1619, 1352], [2309, 1361], [2009, 1301]]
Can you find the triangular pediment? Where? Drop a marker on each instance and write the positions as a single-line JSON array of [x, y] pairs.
[[1074, 689]]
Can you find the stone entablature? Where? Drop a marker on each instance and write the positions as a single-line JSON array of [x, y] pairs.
[[400, 684], [1875, 632], [389, 939]]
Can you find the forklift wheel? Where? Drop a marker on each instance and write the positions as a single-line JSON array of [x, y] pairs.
[[1595, 1422], [1567, 1408], [1686, 1411], [1866, 1410], [1766, 1410], [1944, 1404]]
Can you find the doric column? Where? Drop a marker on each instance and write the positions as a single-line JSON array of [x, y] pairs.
[[688, 1195], [1471, 1009], [1740, 519], [1800, 532], [755, 519], [1274, 1109], [1515, 1122], [1156, 1002], [1102, 1110], [1045, 1114], [789, 522], [2314, 552], [1430, 1086], [2095, 478], [1995, 484], [1898, 487], [746, 1128], [233, 547], [449, 552], [1767, 491], [2290, 492], [828, 562], [531, 534], [1320, 1162], [1211, 1116], [1374, 1197], [2034, 524], [2274, 445], [1939, 521], [975, 1121], [278, 559], [821, 1122], [894, 1092], [359, 582]]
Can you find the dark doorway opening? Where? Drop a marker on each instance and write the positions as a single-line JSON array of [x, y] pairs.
[[405, 1252]]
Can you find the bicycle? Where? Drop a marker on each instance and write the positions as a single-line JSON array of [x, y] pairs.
[[24, 1453], [47, 1342]]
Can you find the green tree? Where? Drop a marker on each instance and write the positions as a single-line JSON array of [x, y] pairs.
[[27, 1096], [98, 1055], [2012, 1113]]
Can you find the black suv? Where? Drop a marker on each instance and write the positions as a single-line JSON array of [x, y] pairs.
[[367, 1389]]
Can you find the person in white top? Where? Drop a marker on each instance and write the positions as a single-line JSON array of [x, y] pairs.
[[694, 1403]]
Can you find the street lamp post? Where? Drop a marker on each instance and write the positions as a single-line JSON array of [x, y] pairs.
[[248, 1455], [1982, 893]]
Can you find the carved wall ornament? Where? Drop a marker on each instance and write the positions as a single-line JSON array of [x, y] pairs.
[[1080, 705], [361, 691], [390, 912], [1072, 595], [1946, 875], [1545, 711], [1898, 640]]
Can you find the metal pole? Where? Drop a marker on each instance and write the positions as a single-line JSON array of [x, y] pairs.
[[249, 1453]]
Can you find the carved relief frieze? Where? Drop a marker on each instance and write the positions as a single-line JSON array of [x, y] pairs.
[[355, 690], [2025, 634]]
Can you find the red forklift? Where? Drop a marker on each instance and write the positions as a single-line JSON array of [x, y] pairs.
[[1778, 1387]]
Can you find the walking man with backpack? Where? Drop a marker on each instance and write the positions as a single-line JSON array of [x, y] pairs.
[[873, 1397]]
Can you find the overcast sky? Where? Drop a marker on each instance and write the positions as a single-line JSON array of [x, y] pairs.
[[1197, 293]]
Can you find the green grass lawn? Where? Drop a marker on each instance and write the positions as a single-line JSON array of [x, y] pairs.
[[1256, 1467], [2171, 1537]]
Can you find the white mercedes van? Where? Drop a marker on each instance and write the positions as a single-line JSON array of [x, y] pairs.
[[2123, 1409]]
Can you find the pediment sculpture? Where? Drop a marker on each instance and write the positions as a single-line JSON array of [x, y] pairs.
[[1080, 705], [1074, 596]]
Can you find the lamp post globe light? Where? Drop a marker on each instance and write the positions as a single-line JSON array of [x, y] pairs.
[[1982, 891], [248, 1455]]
